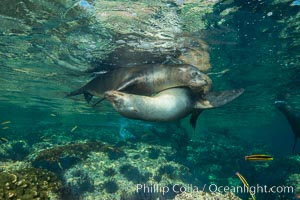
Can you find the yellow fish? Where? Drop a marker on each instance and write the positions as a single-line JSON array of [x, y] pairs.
[[259, 157], [6, 122], [246, 184]]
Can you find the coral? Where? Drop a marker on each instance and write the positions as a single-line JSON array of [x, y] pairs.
[[14, 166], [204, 195], [28, 184]]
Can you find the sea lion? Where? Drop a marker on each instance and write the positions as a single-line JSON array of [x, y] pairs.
[[146, 80], [292, 117], [168, 105]]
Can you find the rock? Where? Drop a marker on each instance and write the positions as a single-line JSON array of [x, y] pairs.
[[204, 195]]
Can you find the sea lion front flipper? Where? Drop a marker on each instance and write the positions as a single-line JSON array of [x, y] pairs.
[[217, 99], [194, 117], [128, 83]]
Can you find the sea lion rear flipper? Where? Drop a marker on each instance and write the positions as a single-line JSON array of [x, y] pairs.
[[217, 99], [75, 92], [194, 117], [88, 97], [98, 101], [295, 142]]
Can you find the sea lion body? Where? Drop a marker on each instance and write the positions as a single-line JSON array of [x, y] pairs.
[[293, 118], [168, 105], [147, 80]]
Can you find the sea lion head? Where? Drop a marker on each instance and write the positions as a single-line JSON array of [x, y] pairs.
[[197, 80], [121, 102]]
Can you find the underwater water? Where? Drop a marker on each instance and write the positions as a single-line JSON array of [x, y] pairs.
[[53, 147]]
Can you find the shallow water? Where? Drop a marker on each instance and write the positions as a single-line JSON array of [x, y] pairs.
[[49, 48]]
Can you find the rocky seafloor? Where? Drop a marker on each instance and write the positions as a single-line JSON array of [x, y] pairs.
[[132, 169]]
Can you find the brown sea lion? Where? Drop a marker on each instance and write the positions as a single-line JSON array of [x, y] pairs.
[[146, 80], [168, 105]]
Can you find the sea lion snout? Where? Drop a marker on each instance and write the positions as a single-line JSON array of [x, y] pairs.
[[112, 95], [117, 99], [201, 83]]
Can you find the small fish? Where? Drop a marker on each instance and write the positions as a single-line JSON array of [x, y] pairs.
[[59, 165], [259, 157], [245, 184], [6, 122], [53, 115], [280, 102], [74, 128], [5, 127], [3, 139]]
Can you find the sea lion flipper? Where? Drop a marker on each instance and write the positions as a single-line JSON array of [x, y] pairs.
[[295, 142], [128, 83], [194, 117], [98, 101], [217, 99], [75, 92], [88, 97]]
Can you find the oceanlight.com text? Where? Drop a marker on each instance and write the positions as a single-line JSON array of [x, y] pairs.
[[178, 188], [283, 189]]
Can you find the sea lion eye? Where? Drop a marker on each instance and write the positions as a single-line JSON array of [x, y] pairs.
[[133, 109], [195, 73]]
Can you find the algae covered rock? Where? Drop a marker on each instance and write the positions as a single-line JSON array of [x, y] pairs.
[[205, 195], [14, 150], [80, 149], [63, 157], [29, 184], [118, 179]]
